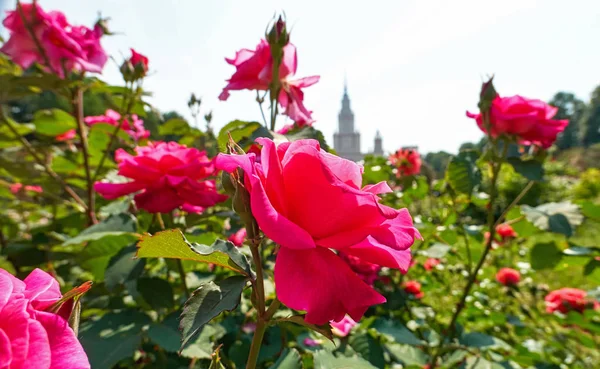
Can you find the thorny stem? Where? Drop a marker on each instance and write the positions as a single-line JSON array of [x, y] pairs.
[[263, 316], [115, 132], [81, 130], [496, 164], [40, 161]]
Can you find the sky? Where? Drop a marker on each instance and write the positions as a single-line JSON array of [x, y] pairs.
[[413, 67]]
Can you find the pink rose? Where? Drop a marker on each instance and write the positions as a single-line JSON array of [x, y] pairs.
[[238, 237], [408, 162], [31, 337], [508, 277], [569, 299], [254, 72], [70, 48], [169, 176], [301, 197], [137, 58], [69, 135], [504, 231], [413, 288], [431, 263], [135, 129], [368, 272], [528, 120], [343, 327]]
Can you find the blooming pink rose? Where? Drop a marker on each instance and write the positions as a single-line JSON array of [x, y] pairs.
[[343, 327], [137, 58], [508, 276], [135, 129], [408, 162], [69, 135], [366, 271], [431, 263], [569, 299], [528, 120], [254, 72], [70, 48], [238, 237], [31, 337], [169, 176], [301, 197], [413, 288]]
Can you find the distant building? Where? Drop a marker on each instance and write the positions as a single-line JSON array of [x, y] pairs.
[[346, 141]]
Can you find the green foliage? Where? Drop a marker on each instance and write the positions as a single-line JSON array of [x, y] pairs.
[[462, 174]]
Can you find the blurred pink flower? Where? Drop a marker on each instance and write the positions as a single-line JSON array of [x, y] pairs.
[[311, 342], [169, 176], [413, 288], [16, 187], [135, 129], [301, 196], [69, 135], [254, 72], [431, 263], [67, 47], [528, 120], [508, 277], [238, 237], [406, 161], [29, 335], [343, 327], [569, 299]]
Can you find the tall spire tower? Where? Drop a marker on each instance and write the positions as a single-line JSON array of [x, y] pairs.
[[346, 140]]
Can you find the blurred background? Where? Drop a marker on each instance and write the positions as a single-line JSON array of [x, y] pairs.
[[413, 68]]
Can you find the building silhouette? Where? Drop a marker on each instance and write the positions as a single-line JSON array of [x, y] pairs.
[[346, 141]]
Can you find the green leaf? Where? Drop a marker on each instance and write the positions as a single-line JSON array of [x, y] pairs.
[[53, 122], [7, 265], [477, 362], [545, 256], [437, 250], [157, 292], [115, 225], [530, 169], [483, 341], [202, 347], [166, 333], [325, 330], [326, 360], [289, 359], [173, 244], [97, 254], [590, 210], [174, 126], [113, 337], [208, 301], [396, 331], [368, 348], [123, 267], [408, 355], [6, 135], [240, 131], [540, 215], [558, 223], [462, 174], [308, 132]]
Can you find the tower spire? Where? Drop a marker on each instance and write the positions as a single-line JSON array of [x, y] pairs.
[[345, 83]]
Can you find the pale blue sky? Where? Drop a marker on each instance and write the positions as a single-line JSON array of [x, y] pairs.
[[413, 67]]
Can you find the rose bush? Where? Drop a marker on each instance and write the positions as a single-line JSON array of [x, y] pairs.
[[291, 257]]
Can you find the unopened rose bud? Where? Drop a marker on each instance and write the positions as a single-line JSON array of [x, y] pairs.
[[487, 95], [228, 185], [127, 71], [102, 26], [278, 35]]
